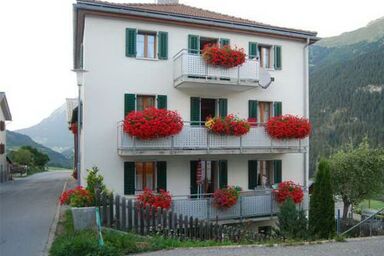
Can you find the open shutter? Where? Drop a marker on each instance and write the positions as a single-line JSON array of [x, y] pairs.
[[277, 59], [195, 111], [129, 103], [129, 178], [223, 107], [193, 177], [163, 45], [277, 174], [252, 50], [252, 174], [277, 108], [161, 175], [252, 110], [162, 101], [223, 173], [224, 41], [130, 42], [193, 44]]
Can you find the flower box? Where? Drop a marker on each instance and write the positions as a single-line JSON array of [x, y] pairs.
[[288, 127], [229, 125], [224, 56]]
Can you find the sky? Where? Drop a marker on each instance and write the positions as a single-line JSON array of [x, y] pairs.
[[36, 42]]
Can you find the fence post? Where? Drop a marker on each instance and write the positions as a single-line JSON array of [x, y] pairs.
[[117, 209], [124, 213], [208, 208], [105, 210], [130, 214], [135, 217], [111, 205], [141, 218], [147, 219], [241, 208]]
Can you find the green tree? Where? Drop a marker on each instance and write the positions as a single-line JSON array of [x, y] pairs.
[[22, 156], [39, 159], [95, 181], [292, 223], [322, 204], [357, 174]]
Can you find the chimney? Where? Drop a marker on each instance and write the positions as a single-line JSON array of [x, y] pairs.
[[167, 1]]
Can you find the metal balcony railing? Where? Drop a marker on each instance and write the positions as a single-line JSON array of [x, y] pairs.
[[195, 140]]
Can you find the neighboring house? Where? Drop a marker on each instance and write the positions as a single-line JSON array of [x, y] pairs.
[[141, 55], [5, 115]]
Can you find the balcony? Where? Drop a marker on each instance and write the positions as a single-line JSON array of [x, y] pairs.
[[191, 71], [196, 140]]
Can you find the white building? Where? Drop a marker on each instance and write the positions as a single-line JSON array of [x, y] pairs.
[[140, 55], [5, 115]]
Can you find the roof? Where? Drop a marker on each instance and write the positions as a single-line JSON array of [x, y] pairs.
[[5, 107]]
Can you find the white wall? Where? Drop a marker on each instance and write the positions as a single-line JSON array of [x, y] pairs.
[[111, 74]]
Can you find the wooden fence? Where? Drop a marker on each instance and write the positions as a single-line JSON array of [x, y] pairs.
[[125, 214]]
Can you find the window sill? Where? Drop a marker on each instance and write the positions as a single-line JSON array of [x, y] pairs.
[[150, 59]]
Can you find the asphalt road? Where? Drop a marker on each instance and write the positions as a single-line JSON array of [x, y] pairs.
[[27, 209], [362, 247]]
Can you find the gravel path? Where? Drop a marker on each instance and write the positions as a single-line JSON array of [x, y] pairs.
[[355, 247]]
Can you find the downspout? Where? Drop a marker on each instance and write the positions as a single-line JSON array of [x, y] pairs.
[[306, 109]]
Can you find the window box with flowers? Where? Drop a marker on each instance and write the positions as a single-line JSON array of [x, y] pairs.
[[288, 127], [152, 123], [226, 198], [289, 189], [229, 125], [162, 200], [223, 56]]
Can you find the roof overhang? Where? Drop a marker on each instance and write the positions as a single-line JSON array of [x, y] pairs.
[[81, 9], [5, 107], [71, 109]]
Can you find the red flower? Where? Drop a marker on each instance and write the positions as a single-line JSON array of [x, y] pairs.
[[223, 56], [288, 127], [226, 197], [73, 128], [288, 189], [229, 125], [77, 197], [152, 123], [161, 200]]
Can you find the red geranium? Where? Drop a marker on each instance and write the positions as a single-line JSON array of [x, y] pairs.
[[152, 123], [288, 189], [77, 197], [161, 200], [288, 127], [223, 56], [226, 197], [73, 128], [229, 125]]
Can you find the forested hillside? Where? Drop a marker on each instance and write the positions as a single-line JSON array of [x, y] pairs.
[[347, 90]]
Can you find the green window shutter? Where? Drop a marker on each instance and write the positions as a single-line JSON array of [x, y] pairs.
[[193, 44], [162, 101], [163, 45], [130, 42], [277, 50], [129, 103], [195, 111], [277, 108], [252, 50], [223, 107], [252, 174], [224, 41], [252, 109], [277, 174], [129, 178], [161, 175], [193, 177], [223, 173]]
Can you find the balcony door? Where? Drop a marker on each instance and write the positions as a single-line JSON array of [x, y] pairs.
[[208, 109], [202, 108]]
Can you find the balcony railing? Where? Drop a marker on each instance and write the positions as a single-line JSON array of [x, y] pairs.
[[250, 204], [190, 69], [197, 140]]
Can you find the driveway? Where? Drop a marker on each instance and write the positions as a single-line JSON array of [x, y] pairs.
[[355, 247], [27, 209]]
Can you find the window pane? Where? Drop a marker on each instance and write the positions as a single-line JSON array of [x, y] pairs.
[[144, 102], [139, 176], [151, 46], [140, 45]]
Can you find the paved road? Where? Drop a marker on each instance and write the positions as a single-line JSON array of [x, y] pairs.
[[364, 247], [27, 209]]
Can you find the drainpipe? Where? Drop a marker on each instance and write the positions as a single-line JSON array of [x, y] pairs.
[[306, 108]]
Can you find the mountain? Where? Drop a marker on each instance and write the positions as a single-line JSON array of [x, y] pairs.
[[52, 131], [16, 140], [347, 90]]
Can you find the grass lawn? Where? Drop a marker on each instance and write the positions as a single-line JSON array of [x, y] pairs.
[[374, 204]]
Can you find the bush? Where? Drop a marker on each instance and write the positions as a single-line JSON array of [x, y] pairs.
[[322, 205], [292, 223], [95, 181]]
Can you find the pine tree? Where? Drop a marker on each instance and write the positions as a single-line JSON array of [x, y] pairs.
[[322, 204]]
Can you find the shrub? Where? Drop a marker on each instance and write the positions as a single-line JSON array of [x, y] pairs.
[[152, 123], [288, 189], [225, 56], [322, 204], [95, 181], [229, 125], [77, 197], [225, 198], [292, 223], [148, 198], [288, 127]]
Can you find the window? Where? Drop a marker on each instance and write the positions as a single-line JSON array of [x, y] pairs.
[[145, 175], [2, 126], [146, 45], [145, 101], [265, 56], [265, 111]]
